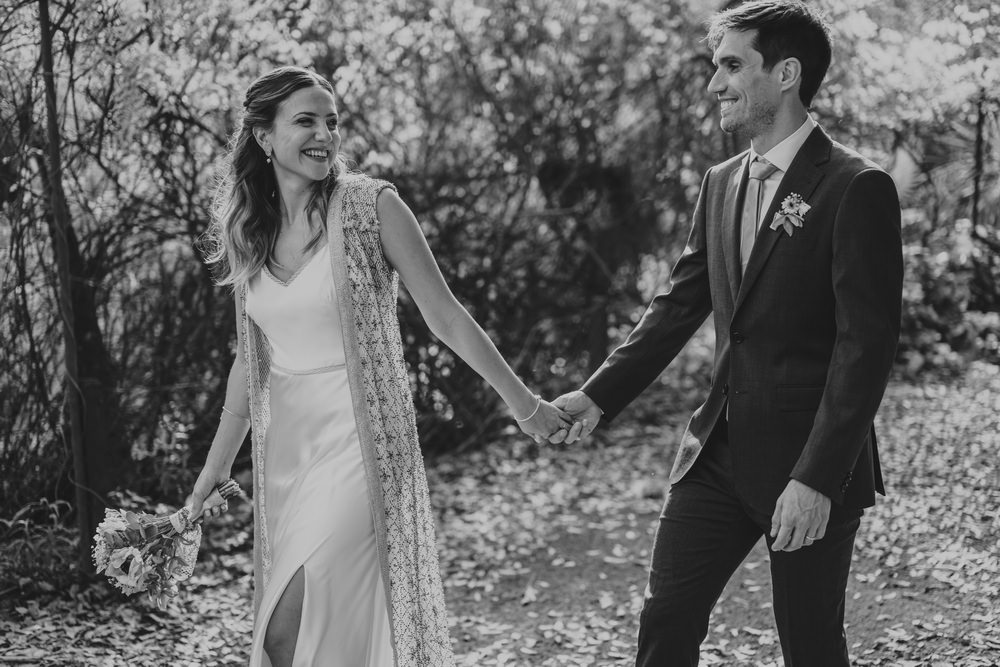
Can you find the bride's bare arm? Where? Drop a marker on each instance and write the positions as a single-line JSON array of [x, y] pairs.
[[233, 426], [407, 250]]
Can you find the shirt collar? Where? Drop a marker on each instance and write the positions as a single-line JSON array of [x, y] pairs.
[[783, 153]]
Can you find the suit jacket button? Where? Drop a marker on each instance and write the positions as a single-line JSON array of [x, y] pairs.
[[738, 337]]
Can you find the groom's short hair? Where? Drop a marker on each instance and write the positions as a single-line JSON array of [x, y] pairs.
[[785, 29]]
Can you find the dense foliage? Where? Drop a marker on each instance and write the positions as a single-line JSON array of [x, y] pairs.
[[551, 150]]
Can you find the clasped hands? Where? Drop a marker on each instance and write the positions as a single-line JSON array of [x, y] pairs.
[[567, 419]]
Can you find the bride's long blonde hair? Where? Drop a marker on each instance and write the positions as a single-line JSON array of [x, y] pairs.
[[246, 214]]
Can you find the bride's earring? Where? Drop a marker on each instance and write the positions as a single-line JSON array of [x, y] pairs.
[[268, 154]]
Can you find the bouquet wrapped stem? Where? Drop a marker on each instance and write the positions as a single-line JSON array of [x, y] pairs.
[[145, 552]]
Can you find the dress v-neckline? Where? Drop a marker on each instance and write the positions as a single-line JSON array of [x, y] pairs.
[[295, 274]]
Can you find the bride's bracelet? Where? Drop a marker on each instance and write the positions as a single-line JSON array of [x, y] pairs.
[[226, 410], [538, 404]]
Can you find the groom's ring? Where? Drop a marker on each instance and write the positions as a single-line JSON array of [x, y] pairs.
[[808, 539]]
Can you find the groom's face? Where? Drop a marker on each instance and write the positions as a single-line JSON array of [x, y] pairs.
[[748, 94]]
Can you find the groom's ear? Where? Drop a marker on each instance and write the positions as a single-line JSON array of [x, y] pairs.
[[791, 73]]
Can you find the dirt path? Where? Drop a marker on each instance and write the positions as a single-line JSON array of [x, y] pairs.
[[576, 602], [544, 555], [566, 590]]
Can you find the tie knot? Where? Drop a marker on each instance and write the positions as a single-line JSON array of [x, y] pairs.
[[761, 169]]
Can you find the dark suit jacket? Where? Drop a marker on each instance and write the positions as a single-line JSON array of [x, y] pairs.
[[804, 342]]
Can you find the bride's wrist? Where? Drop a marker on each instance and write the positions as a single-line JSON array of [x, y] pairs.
[[530, 412]]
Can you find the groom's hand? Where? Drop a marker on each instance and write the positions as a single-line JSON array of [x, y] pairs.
[[585, 414], [799, 518]]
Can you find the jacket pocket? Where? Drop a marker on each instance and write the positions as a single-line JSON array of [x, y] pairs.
[[798, 398]]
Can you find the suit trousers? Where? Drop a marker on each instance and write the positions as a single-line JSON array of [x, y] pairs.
[[705, 531]]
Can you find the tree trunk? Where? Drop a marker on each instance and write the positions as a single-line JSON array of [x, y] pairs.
[[98, 456], [60, 225], [977, 161]]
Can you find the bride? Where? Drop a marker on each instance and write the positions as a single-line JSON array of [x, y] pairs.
[[345, 564]]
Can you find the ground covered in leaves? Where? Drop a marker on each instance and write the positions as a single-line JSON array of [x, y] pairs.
[[544, 553]]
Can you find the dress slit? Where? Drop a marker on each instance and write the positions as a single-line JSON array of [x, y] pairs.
[[267, 614]]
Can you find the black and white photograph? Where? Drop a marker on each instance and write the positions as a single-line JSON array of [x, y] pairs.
[[513, 333]]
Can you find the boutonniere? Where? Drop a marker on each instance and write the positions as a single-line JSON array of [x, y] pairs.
[[791, 214]]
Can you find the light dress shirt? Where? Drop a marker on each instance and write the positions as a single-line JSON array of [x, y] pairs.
[[780, 156]]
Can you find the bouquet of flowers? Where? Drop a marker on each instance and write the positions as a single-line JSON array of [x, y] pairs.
[[144, 552]]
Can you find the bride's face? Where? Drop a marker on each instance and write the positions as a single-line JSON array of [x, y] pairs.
[[305, 136]]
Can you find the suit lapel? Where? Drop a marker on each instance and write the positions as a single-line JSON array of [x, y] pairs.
[[802, 177], [735, 187]]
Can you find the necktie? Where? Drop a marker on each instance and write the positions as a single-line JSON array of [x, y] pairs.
[[760, 171]]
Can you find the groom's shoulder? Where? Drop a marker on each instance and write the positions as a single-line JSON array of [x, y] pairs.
[[851, 161]]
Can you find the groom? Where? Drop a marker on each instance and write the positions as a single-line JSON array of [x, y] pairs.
[[795, 249]]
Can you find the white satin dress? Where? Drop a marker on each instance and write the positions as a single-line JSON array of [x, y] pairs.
[[318, 513]]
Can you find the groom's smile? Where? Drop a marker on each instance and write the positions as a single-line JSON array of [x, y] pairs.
[[725, 104]]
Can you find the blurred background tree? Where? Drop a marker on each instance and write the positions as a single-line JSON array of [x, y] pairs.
[[551, 150]]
